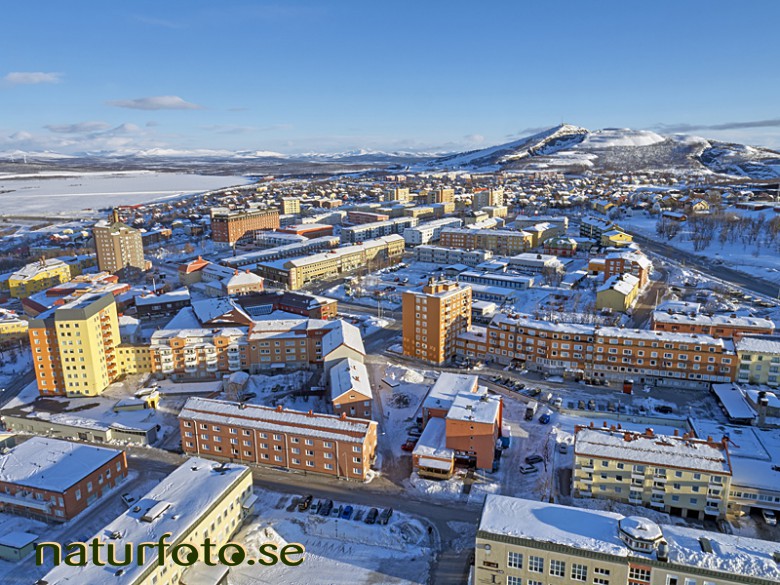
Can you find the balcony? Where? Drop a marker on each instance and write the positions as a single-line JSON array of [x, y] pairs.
[[587, 479], [712, 510], [638, 475], [25, 499], [658, 478]]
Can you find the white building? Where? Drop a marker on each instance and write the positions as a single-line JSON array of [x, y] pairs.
[[429, 231]]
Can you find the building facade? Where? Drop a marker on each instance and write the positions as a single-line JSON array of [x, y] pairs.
[[229, 226], [119, 247]]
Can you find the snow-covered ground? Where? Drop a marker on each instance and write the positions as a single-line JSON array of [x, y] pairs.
[[46, 195], [337, 550]]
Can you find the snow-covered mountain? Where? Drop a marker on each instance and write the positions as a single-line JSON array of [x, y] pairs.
[[570, 148]]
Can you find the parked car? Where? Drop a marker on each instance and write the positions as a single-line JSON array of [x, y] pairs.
[[526, 469], [531, 459], [304, 503], [326, 508], [346, 513], [535, 391], [769, 517], [591, 404], [563, 448], [664, 409], [409, 445], [371, 516], [545, 418], [581, 404], [384, 517], [557, 402]]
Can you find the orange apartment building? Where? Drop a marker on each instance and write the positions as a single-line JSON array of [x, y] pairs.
[[501, 242], [729, 326], [74, 346], [360, 217], [308, 230], [647, 357], [433, 318], [462, 423], [229, 226], [50, 479], [628, 263], [350, 389], [300, 441]]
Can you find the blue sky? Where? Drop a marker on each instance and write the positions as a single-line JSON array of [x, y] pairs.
[[330, 76]]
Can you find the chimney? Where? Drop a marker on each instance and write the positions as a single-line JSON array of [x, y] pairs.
[[343, 416], [676, 432], [279, 408], [627, 437], [763, 405], [648, 432]]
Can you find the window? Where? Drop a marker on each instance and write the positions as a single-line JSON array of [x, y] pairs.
[[672, 580], [640, 574], [357, 471], [579, 572], [514, 560], [557, 568], [512, 580], [535, 564]]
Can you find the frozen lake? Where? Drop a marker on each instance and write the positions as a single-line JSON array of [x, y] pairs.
[[42, 195]]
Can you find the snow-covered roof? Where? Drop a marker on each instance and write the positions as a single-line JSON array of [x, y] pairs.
[[244, 278], [652, 449], [598, 531], [764, 344], [621, 283], [447, 387], [206, 310], [174, 296], [635, 257], [17, 539], [679, 307], [276, 419], [34, 268], [479, 407], [341, 333], [670, 336], [433, 441], [714, 320], [349, 375], [530, 323], [734, 402], [52, 464], [189, 491]]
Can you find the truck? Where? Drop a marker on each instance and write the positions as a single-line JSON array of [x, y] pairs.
[[530, 410]]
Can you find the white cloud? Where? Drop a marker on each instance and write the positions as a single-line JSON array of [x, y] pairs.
[[474, 138], [161, 102], [77, 128], [31, 78]]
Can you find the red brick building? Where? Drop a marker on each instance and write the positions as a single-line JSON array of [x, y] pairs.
[[227, 226], [56, 480]]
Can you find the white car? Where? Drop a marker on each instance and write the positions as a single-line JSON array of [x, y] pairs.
[[769, 517]]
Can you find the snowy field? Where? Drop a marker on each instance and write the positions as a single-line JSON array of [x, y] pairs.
[[337, 550], [34, 194]]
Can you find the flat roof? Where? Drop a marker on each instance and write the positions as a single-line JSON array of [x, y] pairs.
[[433, 441], [189, 491], [52, 464], [447, 386], [479, 407]]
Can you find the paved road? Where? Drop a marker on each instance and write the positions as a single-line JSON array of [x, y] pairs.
[[17, 385]]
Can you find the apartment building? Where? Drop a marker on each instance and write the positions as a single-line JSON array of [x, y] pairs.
[[729, 326], [529, 542], [680, 475], [290, 206], [445, 256], [199, 353], [119, 247], [198, 501], [618, 293], [523, 221], [492, 279], [38, 276], [487, 198], [307, 305], [250, 260], [648, 357], [368, 231], [307, 230], [433, 318], [74, 347], [300, 441], [462, 423], [11, 325], [531, 263], [500, 242], [397, 194], [421, 212], [562, 246], [441, 195], [296, 272], [759, 360], [615, 239], [429, 231], [361, 217], [594, 227], [543, 231], [350, 389], [49, 479], [634, 263], [229, 226]]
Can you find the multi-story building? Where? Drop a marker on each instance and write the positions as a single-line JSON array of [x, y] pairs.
[[56, 480], [680, 475], [119, 247], [730, 326], [198, 501], [377, 229], [199, 353], [250, 260], [759, 360], [615, 239], [433, 318], [361, 217], [462, 423], [350, 389], [290, 206], [543, 231], [308, 230], [229, 226], [618, 293], [11, 325], [634, 263], [307, 305], [441, 195], [510, 281], [522, 221], [296, 272], [74, 347], [594, 227], [501, 242], [162, 303], [41, 275], [530, 542], [429, 231], [562, 246], [445, 256], [531, 263], [302, 441], [397, 194], [487, 198]]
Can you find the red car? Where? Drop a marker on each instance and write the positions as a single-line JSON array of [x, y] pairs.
[[409, 445]]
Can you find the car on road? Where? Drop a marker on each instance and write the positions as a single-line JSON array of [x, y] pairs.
[[531, 459], [769, 517], [526, 469], [304, 503], [346, 513], [384, 517], [371, 516], [545, 418]]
